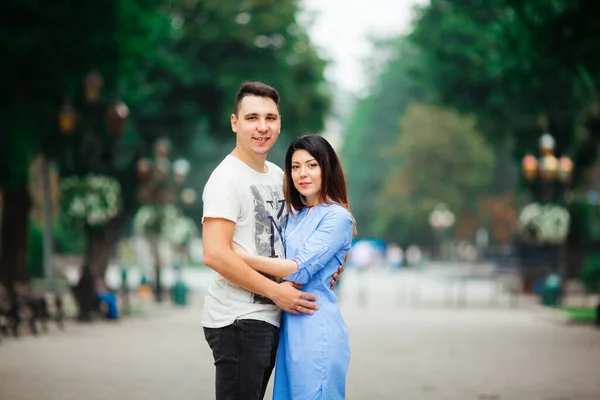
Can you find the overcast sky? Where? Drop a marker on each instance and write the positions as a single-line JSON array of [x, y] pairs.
[[341, 31]]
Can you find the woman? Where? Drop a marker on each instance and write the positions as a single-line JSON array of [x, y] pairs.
[[313, 353]]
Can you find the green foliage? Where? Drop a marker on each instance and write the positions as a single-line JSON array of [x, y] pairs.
[[214, 46], [165, 221], [150, 220], [52, 46], [512, 61], [180, 231], [373, 126], [439, 156], [590, 273], [176, 64], [35, 251], [506, 62], [67, 239], [586, 217], [579, 314]]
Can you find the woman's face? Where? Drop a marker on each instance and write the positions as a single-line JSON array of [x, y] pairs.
[[306, 175]]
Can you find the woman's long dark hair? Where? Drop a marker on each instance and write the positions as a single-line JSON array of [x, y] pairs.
[[333, 182]]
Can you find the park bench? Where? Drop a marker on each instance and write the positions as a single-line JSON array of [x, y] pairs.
[[31, 309]]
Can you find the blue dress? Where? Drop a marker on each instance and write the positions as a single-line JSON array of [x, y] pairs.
[[314, 353]]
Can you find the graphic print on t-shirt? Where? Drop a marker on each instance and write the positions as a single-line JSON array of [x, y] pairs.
[[269, 219]]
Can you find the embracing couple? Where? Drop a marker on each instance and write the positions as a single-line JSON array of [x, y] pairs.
[[277, 241]]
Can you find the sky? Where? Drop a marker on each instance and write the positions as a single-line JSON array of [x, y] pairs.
[[341, 29]]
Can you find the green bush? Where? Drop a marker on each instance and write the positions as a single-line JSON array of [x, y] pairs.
[[590, 273], [585, 224], [68, 239]]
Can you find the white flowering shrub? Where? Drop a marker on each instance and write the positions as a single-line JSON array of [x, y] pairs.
[[544, 223], [91, 201], [149, 219], [180, 231], [165, 221]]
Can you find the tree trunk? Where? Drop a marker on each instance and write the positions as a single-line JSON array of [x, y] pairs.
[[96, 243], [84, 291], [154, 243], [100, 246], [15, 241], [106, 248]]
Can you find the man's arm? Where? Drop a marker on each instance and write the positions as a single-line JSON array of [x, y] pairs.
[[217, 235]]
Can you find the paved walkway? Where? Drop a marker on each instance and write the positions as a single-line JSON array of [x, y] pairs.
[[397, 353]]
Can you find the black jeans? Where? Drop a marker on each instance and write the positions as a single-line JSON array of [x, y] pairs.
[[244, 354]]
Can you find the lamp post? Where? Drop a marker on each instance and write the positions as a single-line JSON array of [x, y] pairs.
[[552, 177], [72, 121], [441, 219], [84, 128], [92, 85], [160, 181], [552, 174]]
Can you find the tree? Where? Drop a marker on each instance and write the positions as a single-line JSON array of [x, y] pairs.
[[508, 63], [373, 126], [523, 68], [438, 156], [187, 95], [51, 49], [176, 64], [590, 277]]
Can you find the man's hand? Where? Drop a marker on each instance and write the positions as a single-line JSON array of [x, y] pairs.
[[336, 277], [292, 300]]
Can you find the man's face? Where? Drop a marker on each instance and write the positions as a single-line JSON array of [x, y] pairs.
[[257, 124]]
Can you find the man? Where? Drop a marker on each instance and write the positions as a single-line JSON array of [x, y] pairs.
[[244, 203]]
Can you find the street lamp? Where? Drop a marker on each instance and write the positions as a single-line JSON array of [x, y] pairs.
[[160, 182], [565, 169], [67, 119], [548, 170], [92, 85], [553, 177], [188, 196], [440, 219], [116, 118], [95, 156]]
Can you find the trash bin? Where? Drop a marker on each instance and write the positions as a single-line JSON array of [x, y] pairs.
[[551, 291], [179, 292]]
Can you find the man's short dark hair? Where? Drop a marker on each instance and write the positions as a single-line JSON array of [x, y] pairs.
[[254, 89]]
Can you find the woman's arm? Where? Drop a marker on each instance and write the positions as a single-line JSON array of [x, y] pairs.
[[277, 267], [333, 234]]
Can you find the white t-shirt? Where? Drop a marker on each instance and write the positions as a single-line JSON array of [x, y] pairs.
[[255, 202]]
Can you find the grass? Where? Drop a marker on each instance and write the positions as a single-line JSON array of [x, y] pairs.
[[580, 314]]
